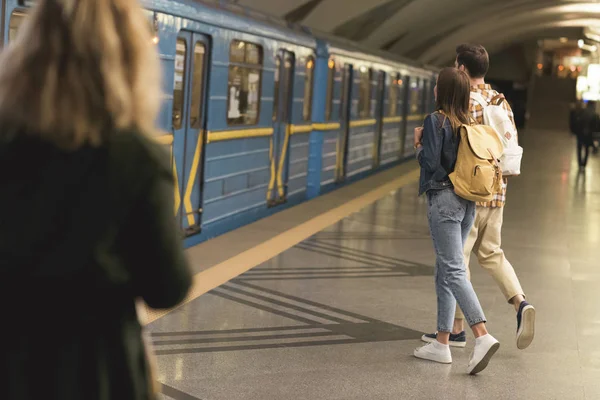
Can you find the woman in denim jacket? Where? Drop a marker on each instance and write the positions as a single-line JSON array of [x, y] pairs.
[[450, 220]]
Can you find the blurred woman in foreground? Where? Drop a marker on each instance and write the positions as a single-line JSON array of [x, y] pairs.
[[86, 211]]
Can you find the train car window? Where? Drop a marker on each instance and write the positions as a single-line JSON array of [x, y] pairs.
[[245, 73], [330, 86], [401, 90], [237, 52], [308, 89], [253, 54], [364, 99], [414, 96], [276, 91], [16, 20], [197, 85], [394, 95], [179, 83]]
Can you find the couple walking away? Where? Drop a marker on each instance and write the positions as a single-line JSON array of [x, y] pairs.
[[459, 226]]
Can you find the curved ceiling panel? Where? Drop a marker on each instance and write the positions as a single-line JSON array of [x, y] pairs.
[[363, 26], [507, 26], [420, 35], [534, 30], [331, 14], [430, 29], [278, 8]]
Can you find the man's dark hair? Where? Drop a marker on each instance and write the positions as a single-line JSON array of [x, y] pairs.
[[475, 59]]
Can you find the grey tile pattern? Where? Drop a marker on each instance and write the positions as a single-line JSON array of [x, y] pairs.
[[323, 325], [337, 316], [169, 392]]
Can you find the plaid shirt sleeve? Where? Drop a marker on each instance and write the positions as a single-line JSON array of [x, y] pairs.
[[476, 111]]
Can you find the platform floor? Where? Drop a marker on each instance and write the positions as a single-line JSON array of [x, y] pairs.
[[334, 312]]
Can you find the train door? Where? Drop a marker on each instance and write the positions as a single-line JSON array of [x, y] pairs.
[[284, 80], [189, 124], [379, 110], [403, 105], [427, 93], [345, 112]]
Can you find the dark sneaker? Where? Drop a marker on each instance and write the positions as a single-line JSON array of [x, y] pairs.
[[525, 325], [456, 340]]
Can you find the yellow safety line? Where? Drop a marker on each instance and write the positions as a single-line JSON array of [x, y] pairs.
[[177, 195], [273, 171], [301, 129], [164, 139], [415, 117], [364, 122], [390, 120], [338, 159], [327, 127], [219, 136], [223, 272], [187, 198], [280, 186]]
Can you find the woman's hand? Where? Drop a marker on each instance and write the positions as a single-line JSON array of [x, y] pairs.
[[418, 135]]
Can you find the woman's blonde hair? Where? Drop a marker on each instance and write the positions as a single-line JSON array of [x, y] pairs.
[[79, 71]]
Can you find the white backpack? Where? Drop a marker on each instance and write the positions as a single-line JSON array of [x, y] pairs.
[[496, 116]]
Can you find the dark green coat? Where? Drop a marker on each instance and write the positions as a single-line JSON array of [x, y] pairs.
[[82, 234]]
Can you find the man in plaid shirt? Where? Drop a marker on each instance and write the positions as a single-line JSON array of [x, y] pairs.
[[485, 237]]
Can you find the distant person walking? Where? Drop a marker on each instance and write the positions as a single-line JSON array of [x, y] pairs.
[[575, 116], [584, 122], [86, 213], [450, 220]]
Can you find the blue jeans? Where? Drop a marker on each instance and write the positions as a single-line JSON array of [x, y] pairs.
[[450, 220]]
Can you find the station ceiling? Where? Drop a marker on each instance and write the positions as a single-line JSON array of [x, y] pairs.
[[429, 30]]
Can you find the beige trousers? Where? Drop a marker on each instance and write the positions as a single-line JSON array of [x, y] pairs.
[[485, 240]]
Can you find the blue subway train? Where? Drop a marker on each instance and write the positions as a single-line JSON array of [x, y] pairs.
[[261, 115]]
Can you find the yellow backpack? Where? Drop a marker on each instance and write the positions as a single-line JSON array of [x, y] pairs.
[[477, 174]]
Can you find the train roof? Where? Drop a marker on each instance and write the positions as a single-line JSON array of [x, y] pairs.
[[349, 47], [219, 13]]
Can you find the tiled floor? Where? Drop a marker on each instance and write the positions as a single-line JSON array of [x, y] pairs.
[[338, 315]]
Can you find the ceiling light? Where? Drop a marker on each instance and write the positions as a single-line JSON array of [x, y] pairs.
[[592, 36], [580, 43]]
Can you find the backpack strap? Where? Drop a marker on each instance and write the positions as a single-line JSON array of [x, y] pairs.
[[498, 99], [478, 97]]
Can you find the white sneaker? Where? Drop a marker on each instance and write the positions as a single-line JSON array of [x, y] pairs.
[[435, 351], [485, 347]]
